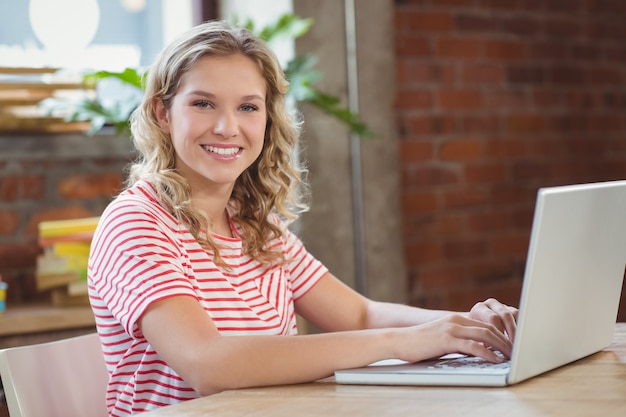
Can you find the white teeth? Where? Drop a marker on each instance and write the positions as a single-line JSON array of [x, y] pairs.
[[221, 151]]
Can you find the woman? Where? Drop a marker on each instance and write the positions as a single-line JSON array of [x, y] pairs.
[[195, 279]]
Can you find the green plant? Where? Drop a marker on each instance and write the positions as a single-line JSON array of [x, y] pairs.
[[299, 71]]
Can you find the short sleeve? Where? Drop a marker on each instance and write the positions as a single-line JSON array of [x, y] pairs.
[[134, 262]]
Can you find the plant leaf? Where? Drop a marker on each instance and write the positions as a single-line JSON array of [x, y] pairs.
[[287, 26], [130, 76], [330, 105]]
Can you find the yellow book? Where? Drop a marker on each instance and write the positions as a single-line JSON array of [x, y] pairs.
[[71, 249], [55, 228]]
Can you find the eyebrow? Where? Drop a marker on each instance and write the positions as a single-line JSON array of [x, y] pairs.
[[206, 94]]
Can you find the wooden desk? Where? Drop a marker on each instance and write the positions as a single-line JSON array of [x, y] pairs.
[[594, 386]]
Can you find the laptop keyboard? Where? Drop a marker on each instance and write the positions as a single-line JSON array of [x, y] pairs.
[[469, 362]]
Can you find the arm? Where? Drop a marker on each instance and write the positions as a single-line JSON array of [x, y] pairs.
[[332, 306], [187, 339]]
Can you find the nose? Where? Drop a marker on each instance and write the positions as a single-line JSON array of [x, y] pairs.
[[226, 124]]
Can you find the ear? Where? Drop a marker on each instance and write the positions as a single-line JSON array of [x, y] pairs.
[[161, 113]]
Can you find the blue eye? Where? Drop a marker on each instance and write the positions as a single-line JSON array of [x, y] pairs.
[[202, 103], [249, 108]]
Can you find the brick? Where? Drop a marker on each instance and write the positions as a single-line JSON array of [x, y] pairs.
[[481, 123], [488, 221], [567, 6], [424, 175], [460, 249], [607, 76], [464, 198], [417, 71], [442, 224], [525, 123], [507, 99], [507, 149], [58, 213], [506, 50], [441, 277], [413, 46], [452, 3], [582, 100], [427, 125], [462, 150], [549, 50], [607, 30], [486, 173], [460, 99], [510, 243], [428, 300], [464, 299], [414, 99], [565, 28], [511, 195], [487, 271], [483, 74], [412, 151], [586, 53], [548, 98], [615, 54], [526, 171], [460, 48], [523, 26], [526, 75], [9, 188], [9, 222], [476, 23], [567, 75], [33, 187], [567, 123], [422, 202], [417, 253], [425, 21], [611, 100], [90, 186], [607, 7], [506, 5], [606, 123], [18, 255]]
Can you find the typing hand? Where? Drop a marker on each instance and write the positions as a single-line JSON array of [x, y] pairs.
[[491, 311], [454, 333]]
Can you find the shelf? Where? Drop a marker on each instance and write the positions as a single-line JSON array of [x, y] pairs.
[[29, 319]]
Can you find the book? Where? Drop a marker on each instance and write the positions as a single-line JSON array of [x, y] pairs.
[[58, 228], [47, 281]]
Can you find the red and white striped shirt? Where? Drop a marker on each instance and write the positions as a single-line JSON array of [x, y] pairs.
[[141, 254]]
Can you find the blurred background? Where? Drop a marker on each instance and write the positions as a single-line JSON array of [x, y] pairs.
[[475, 105]]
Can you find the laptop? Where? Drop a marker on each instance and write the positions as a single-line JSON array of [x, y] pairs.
[[569, 300]]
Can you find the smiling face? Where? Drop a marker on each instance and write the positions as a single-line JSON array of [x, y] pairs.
[[216, 120]]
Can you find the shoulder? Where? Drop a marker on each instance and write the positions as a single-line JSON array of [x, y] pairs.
[[137, 209], [140, 200]]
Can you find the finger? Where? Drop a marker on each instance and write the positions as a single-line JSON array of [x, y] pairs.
[[474, 348], [485, 333], [502, 316], [510, 322]]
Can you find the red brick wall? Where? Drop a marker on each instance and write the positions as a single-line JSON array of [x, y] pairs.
[[495, 99], [50, 177]]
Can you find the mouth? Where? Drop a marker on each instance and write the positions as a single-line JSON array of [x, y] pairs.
[[222, 151]]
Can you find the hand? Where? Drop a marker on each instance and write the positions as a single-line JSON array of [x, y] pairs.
[[454, 333], [491, 311]]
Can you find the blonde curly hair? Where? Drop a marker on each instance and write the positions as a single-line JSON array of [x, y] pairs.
[[272, 185]]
